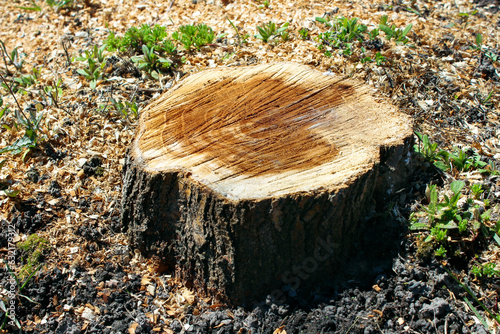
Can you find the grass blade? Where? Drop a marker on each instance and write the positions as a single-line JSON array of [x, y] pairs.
[[497, 238], [476, 313]]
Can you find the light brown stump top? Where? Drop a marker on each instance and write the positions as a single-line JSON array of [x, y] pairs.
[[267, 130]]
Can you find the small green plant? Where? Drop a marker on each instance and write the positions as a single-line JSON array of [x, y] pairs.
[[53, 92], [304, 33], [484, 49], [125, 109], [13, 58], [194, 36], [151, 62], [242, 39], [134, 38], [476, 190], [493, 314], [392, 31], [342, 30], [265, 4], [488, 269], [440, 252], [379, 58], [464, 16], [95, 65], [459, 159], [425, 148], [31, 125], [29, 79], [345, 35], [445, 226], [270, 31]]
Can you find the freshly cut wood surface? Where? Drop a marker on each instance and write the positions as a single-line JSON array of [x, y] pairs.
[[267, 130], [238, 175]]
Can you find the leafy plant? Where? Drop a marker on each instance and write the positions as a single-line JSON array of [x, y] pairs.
[[304, 33], [151, 62], [445, 226], [270, 31], [493, 314], [95, 65], [392, 31], [487, 269], [194, 36], [125, 109], [445, 161], [476, 190], [14, 58], [29, 79], [344, 34], [135, 38], [31, 125], [53, 93]]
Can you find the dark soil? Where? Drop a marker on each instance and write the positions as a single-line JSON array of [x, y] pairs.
[[385, 290]]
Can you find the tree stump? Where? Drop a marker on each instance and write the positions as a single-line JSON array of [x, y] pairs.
[[255, 180]]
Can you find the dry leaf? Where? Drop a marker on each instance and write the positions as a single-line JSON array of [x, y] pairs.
[[280, 330], [131, 329]]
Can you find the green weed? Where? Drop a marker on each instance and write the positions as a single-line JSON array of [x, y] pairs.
[[270, 31], [393, 32], [31, 124], [487, 269], [448, 229], [95, 65], [242, 39], [459, 159], [151, 62], [125, 109], [493, 314], [134, 38], [346, 37], [194, 36], [265, 4], [304, 33], [13, 58]]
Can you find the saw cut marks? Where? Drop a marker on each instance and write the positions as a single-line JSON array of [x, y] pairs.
[[252, 132]]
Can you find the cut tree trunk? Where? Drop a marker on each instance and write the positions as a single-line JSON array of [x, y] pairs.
[[256, 180]]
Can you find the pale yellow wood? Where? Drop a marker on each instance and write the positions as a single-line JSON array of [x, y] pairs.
[[267, 130]]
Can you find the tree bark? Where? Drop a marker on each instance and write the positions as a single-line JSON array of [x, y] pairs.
[[255, 180]]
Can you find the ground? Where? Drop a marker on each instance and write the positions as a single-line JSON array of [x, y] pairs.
[[66, 127]]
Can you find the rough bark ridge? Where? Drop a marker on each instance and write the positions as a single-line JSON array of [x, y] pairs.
[[237, 246]]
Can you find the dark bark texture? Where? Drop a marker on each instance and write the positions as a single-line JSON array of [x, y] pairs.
[[240, 251]]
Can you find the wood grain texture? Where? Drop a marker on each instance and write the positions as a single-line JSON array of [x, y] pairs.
[[239, 177], [254, 132]]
